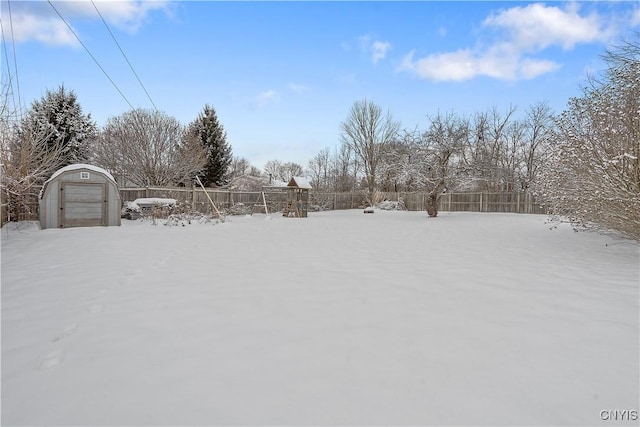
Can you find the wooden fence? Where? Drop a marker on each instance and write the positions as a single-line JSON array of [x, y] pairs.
[[516, 202]]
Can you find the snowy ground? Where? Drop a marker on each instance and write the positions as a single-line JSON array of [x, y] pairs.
[[338, 319]]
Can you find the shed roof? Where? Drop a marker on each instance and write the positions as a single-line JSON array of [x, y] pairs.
[[76, 166], [300, 182], [80, 166]]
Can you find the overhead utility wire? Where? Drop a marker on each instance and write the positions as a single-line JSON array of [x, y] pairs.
[[9, 86], [15, 60], [123, 54], [91, 55]]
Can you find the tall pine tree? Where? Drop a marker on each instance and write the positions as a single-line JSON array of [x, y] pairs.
[[61, 125], [208, 130]]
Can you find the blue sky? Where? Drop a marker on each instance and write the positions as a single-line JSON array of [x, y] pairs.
[[283, 75]]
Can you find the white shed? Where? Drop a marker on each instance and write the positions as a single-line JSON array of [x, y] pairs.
[[80, 195]]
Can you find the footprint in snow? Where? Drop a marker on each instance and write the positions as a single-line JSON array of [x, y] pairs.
[[165, 259], [52, 359], [96, 308], [125, 280], [68, 330]]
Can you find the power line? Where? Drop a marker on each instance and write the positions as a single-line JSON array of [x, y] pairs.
[[90, 54], [123, 54], [15, 60], [10, 91]]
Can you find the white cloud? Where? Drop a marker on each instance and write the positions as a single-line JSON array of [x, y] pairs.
[[379, 50], [633, 18], [537, 26], [48, 30], [263, 98], [531, 68], [364, 42], [525, 31], [376, 49], [38, 21], [347, 78], [465, 64], [299, 88], [455, 66], [128, 15]]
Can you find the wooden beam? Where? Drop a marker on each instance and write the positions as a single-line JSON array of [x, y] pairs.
[[207, 194]]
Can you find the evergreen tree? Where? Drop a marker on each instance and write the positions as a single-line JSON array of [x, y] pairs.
[[208, 130], [63, 128]]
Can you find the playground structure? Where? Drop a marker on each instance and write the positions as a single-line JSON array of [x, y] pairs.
[[295, 195]]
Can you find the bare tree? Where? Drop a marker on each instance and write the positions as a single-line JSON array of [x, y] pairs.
[[443, 142], [147, 148], [25, 168], [368, 133], [275, 169], [343, 169], [240, 166], [510, 155], [272, 170], [291, 169], [535, 147], [318, 169], [486, 150]]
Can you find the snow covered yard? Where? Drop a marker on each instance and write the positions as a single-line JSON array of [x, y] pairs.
[[338, 319]]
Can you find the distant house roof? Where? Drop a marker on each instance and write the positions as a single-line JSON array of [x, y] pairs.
[[300, 182]]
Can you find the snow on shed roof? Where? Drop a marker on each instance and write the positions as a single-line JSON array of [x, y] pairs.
[[299, 181], [80, 166]]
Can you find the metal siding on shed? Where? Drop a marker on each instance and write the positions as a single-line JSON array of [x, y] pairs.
[[80, 198], [49, 206], [83, 204]]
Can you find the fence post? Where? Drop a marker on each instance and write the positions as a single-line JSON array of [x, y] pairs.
[[518, 202], [481, 204]]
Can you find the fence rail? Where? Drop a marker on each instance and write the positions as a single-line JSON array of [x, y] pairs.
[[515, 202]]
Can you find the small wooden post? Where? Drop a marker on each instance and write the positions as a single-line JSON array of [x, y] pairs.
[[264, 201], [212, 204], [193, 195]]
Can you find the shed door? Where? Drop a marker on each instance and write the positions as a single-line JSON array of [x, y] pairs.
[[83, 204]]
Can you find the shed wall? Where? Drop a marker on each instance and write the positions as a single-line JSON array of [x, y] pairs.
[[80, 200]]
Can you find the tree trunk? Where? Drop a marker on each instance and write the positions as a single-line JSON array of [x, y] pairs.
[[432, 204], [433, 199]]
